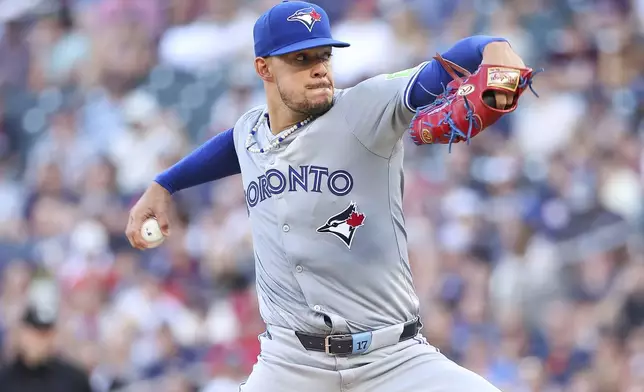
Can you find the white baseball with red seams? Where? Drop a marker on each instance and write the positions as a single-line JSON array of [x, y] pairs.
[[151, 233]]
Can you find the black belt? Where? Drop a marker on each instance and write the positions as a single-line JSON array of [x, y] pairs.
[[344, 344]]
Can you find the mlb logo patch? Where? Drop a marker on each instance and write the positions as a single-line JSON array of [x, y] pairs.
[[307, 16]]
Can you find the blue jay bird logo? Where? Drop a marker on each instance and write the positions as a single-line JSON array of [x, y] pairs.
[[307, 16], [344, 224]]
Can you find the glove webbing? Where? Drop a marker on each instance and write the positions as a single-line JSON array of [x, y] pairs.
[[452, 69]]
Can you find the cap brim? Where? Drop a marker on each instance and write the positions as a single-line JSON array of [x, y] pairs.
[[42, 326], [309, 44], [38, 324]]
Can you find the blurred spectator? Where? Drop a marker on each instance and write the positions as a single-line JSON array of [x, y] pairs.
[[62, 145], [223, 34], [123, 58], [147, 139], [15, 56], [361, 27], [60, 49], [36, 367]]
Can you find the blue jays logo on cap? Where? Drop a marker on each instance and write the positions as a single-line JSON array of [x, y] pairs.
[[278, 30], [306, 16]]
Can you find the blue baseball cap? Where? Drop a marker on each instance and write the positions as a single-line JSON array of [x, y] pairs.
[[291, 26]]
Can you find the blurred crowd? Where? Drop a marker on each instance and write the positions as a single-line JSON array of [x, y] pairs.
[[526, 246]]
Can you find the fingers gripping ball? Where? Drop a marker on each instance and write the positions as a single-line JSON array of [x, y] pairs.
[[151, 233], [468, 104]]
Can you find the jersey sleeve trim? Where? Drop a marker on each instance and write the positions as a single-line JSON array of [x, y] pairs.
[[410, 85]]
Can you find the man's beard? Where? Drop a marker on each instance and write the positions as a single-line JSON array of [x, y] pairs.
[[307, 107]]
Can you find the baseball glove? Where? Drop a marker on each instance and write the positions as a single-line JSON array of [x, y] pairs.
[[467, 105]]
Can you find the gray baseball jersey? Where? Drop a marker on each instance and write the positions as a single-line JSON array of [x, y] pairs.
[[326, 213]]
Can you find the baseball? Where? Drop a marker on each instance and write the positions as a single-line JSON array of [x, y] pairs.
[[151, 233]]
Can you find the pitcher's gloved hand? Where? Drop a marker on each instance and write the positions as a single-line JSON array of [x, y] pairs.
[[470, 103]]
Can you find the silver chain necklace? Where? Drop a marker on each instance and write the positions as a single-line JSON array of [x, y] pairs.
[[250, 141]]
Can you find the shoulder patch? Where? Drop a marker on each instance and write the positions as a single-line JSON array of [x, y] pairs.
[[402, 74]]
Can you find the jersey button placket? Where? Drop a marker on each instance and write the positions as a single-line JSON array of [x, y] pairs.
[[286, 228]]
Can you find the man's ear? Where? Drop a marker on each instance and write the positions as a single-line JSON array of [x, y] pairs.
[[263, 69]]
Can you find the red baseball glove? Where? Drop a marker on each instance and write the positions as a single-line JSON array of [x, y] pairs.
[[467, 106]]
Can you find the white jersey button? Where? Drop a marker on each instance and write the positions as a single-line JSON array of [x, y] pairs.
[[317, 308], [285, 228], [299, 268]]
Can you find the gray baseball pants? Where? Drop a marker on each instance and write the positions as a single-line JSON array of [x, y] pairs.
[[414, 365]]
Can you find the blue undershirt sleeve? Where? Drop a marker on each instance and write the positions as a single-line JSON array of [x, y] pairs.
[[432, 79], [212, 161]]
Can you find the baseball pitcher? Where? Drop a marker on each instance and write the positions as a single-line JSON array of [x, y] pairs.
[[323, 180]]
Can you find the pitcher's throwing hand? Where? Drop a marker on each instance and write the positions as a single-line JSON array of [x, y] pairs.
[[155, 203]]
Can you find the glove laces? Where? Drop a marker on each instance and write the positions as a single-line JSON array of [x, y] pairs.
[[528, 81]]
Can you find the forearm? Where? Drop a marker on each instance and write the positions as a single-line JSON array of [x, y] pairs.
[[432, 79], [212, 161]]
